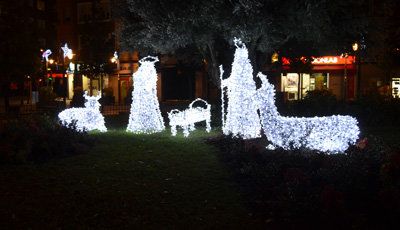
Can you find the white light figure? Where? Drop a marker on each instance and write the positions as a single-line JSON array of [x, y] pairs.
[[46, 54], [145, 115], [332, 134], [67, 51], [187, 118], [242, 119], [88, 118]]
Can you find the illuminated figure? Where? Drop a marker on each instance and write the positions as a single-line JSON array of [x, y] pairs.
[[242, 119], [330, 134], [145, 115], [187, 118], [88, 118], [46, 54]]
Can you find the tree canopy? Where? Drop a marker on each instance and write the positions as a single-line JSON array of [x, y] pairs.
[[208, 26]]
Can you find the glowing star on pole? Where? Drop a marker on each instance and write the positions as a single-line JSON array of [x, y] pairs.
[[46, 54], [187, 118], [241, 118], [67, 51], [88, 118], [145, 115], [330, 134]]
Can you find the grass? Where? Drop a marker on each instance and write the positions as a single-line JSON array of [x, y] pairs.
[[126, 180], [142, 181]]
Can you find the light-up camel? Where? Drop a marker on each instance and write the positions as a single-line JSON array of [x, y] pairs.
[[87, 118], [328, 134]]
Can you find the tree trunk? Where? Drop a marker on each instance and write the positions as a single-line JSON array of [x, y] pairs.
[[212, 65]]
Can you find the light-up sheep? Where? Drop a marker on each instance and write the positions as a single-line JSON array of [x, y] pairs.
[[88, 118], [327, 134], [187, 118]]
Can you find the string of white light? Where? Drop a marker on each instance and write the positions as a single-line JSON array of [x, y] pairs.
[[88, 118], [242, 119], [330, 134], [145, 115]]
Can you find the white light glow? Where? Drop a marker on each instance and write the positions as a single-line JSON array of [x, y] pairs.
[[67, 51], [187, 118], [88, 118], [327, 134], [241, 118], [145, 115], [46, 54]]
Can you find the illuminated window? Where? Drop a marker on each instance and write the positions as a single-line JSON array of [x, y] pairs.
[[40, 5]]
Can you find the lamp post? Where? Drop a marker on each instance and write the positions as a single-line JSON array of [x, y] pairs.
[[115, 59], [344, 88], [354, 46], [69, 54]]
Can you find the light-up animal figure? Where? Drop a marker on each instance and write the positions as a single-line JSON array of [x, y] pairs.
[[327, 134], [187, 118], [242, 119], [87, 118]]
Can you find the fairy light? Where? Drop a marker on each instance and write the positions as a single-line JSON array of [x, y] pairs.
[[332, 134], [187, 118], [145, 115], [88, 118], [46, 54], [241, 118], [67, 51]]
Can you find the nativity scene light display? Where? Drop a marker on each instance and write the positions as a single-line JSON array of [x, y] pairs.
[[248, 112]]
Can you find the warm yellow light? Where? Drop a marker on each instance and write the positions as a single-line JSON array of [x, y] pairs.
[[355, 46], [112, 60], [51, 61], [275, 57], [70, 55]]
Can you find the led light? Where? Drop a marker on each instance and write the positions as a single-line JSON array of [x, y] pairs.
[[88, 118], [46, 54], [145, 115], [330, 134], [187, 118], [67, 51], [241, 118]]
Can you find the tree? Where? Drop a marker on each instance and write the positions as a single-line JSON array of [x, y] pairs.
[[164, 26], [19, 45]]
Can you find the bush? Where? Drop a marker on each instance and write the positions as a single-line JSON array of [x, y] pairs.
[[309, 189], [39, 139], [107, 97], [47, 96]]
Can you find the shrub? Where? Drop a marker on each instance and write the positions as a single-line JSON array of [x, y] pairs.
[[39, 139], [309, 189]]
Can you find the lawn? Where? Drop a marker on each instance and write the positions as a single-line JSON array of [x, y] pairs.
[[125, 180], [204, 181]]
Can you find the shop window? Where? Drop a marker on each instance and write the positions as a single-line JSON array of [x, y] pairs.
[[40, 5], [396, 87]]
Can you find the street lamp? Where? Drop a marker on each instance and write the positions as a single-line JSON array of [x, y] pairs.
[[115, 59], [358, 71]]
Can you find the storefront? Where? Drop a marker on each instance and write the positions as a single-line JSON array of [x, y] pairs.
[[334, 73]]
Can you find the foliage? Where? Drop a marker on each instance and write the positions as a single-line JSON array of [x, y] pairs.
[[307, 189], [19, 44], [107, 97], [166, 26], [46, 95], [39, 139]]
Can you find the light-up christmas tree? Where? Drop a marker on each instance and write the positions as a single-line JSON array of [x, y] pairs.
[[145, 115], [242, 119]]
